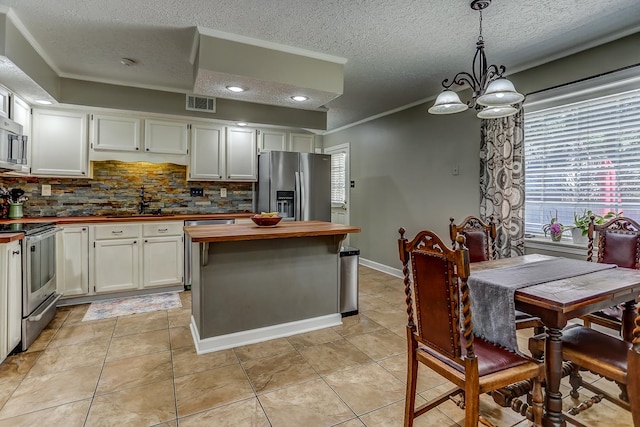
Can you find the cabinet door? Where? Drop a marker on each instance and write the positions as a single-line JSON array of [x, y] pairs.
[[14, 295], [73, 261], [272, 140], [165, 137], [115, 133], [162, 261], [116, 265], [301, 142], [207, 152], [59, 145], [4, 102], [241, 154]]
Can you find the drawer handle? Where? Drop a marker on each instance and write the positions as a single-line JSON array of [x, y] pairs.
[[116, 232], [162, 230], [16, 252]]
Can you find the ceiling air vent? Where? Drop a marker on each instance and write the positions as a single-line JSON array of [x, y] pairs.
[[201, 103]]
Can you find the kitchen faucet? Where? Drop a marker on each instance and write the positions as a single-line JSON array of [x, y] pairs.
[[143, 204]]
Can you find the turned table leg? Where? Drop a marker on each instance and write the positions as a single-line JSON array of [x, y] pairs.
[[553, 368]]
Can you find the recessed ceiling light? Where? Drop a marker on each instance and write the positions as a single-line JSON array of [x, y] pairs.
[[127, 62], [299, 98], [241, 123], [235, 88], [43, 102]]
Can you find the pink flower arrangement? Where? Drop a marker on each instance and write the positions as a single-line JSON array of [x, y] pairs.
[[555, 228]]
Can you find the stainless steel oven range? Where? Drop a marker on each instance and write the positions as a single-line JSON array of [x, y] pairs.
[[39, 296]]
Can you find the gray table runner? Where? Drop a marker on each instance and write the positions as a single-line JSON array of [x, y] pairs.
[[492, 294]]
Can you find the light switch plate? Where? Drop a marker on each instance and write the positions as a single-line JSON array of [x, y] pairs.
[[223, 192], [46, 189]]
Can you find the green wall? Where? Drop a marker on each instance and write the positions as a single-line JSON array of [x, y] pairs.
[[402, 163]]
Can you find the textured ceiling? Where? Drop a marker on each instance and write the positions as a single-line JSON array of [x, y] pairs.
[[397, 51]]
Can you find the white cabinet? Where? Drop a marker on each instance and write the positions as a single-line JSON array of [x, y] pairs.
[[133, 256], [4, 102], [116, 263], [59, 143], [162, 253], [301, 142], [165, 136], [116, 133], [207, 152], [241, 155], [272, 140], [72, 263], [10, 297]]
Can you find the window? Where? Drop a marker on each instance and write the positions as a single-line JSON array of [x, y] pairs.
[[582, 155], [338, 179]]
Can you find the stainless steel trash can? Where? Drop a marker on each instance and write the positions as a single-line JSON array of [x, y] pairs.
[[349, 258]]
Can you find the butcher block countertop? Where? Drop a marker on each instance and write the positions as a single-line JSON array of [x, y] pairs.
[[238, 232], [64, 220]]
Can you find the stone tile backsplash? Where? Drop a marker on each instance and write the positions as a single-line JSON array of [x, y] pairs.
[[115, 189]]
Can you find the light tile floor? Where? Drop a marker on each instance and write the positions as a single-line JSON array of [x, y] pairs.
[[142, 370]]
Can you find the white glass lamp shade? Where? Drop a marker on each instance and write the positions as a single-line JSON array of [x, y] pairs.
[[448, 102], [497, 112], [500, 92]]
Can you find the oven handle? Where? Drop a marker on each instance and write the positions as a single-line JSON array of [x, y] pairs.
[[42, 236], [44, 310]]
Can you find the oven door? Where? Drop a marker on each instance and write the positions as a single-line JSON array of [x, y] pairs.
[[39, 269]]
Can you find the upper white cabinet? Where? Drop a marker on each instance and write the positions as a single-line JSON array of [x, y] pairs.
[[116, 133], [272, 140], [207, 152], [4, 102], [301, 142], [165, 137], [59, 143], [241, 154]]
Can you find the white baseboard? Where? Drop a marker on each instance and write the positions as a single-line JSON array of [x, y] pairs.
[[253, 336], [381, 267]]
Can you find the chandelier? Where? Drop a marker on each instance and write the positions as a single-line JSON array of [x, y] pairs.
[[493, 95]]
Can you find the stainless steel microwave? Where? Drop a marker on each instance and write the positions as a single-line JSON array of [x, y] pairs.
[[13, 146]]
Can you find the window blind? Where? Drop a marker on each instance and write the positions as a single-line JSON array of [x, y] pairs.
[[338, 178], [582, 155]]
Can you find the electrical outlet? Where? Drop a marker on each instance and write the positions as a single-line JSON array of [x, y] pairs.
[[46, 190], [197, 192], [223, 192], [456, 170]]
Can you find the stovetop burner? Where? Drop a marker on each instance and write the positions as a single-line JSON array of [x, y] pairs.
[[26, 227]]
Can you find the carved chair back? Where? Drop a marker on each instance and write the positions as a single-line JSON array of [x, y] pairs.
[[480, 237], [618, 242], [439, 286]]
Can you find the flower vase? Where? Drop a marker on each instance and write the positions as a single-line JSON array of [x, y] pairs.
[[556, 237], [15, 210], [577, 236]]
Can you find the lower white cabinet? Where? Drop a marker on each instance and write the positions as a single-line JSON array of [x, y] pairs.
[[10, 297], [131, 256], [72, 262]]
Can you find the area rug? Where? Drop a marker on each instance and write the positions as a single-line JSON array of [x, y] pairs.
[[132, 305]]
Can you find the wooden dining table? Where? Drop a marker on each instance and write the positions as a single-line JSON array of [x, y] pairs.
[[558, 301]]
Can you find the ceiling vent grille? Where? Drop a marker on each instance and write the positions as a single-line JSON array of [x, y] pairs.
[[201, 103]]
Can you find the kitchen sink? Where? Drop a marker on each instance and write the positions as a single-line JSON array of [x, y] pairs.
[[137, 215]]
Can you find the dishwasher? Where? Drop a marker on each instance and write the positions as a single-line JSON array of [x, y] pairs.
[[187, 244]]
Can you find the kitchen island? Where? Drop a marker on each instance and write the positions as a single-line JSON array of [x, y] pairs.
[[251, 284]]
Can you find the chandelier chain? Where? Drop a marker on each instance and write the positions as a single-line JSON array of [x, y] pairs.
[[480, 35]]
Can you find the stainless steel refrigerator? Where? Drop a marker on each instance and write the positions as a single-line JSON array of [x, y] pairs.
[[296, 185]]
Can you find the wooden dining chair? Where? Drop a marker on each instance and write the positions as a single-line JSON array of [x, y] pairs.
[[609, 357], [480, 240], [618, 243], [440, 333]]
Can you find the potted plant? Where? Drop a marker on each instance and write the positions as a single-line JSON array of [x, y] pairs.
[[554, 228], [581, 223]]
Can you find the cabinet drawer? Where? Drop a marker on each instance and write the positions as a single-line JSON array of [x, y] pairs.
[[162, 229], [117, 231]]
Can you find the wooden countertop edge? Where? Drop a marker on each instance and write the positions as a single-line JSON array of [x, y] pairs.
[[242, 232], [10, 237], [62, 220]]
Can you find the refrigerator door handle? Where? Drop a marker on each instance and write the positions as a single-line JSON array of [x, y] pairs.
[[303, 197], [298, 198]]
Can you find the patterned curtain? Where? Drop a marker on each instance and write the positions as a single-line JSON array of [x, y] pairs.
[[502, 181]]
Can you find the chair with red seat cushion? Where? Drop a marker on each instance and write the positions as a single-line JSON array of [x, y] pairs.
[[618, 243], [440, 334], [480, 240]]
